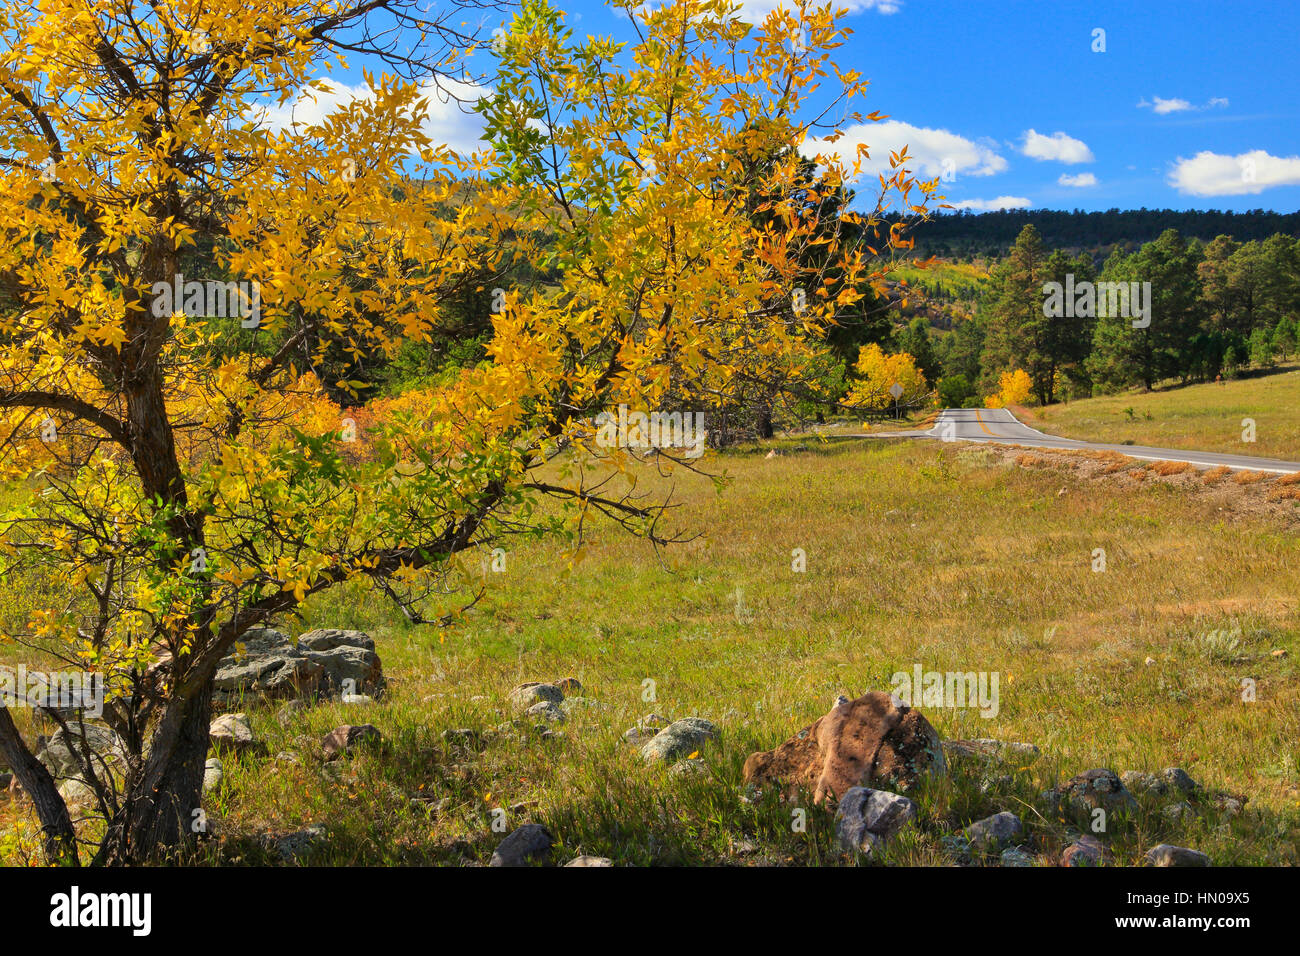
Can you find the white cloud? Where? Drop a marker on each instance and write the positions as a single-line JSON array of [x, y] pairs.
[[754, 11], [1161, 106], [1213, 174], [1002, 202], [1079, 181], [1058, 146], [933, 152], [448, 122]]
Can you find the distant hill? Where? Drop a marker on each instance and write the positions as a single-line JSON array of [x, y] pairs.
[[965, 234]]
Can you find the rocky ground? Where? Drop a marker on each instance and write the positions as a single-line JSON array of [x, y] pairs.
[[860, 765]]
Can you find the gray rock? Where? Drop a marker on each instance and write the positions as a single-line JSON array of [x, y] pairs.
[[327, 639], [1091, 790], [294, 846], [211, 775], [342, 740], [106, 751], [1179, 812], [984, 751], [995, 832], [322, 663], [231, 732], [1166, 854], [1138, 781], [1014, 856], [526, 695], [996, 783], [529, 844], [1230, 805], [262, 640], [1167, 781], [646, 729], [1087, 850], [1177, 779], [546, 711], [679, 738], [866, 818], [585, 860], [687, 768]]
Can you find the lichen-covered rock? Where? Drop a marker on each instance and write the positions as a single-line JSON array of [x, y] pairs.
[[546, 711], [865, 818], [529, 844], [328, 639], [526, 695], [875, 740], [993, 833], [679, 739], [1091, 790], [1171, 780], [1166, 854], [321, 663]]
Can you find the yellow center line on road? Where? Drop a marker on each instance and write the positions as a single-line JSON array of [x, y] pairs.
[[980, 418]]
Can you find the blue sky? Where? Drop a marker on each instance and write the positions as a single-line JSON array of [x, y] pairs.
[[1192, 105]]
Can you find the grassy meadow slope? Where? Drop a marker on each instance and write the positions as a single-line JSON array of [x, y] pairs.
[[917, 553], [1199, 417]]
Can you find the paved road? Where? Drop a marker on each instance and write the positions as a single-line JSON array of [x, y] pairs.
[[998, 425]]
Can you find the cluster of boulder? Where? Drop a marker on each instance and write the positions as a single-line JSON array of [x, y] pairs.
[[267, 666], [861, 758], [321, 663], [863, 752]]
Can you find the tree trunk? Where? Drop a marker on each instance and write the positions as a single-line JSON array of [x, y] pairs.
[[157, 814], [59, 837]]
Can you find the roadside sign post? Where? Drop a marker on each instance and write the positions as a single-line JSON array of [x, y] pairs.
[[897, 391]]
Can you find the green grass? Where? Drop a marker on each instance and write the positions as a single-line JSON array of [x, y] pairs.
[[951, 277], [1198, 417], [916, 553]]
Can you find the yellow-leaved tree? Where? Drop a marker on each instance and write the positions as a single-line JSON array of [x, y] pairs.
[[1013, 389], [886, 380], [177, 272]]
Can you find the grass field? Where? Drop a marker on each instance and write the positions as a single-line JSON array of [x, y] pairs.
[[951, 277], [1202, 417], [916, 553]]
